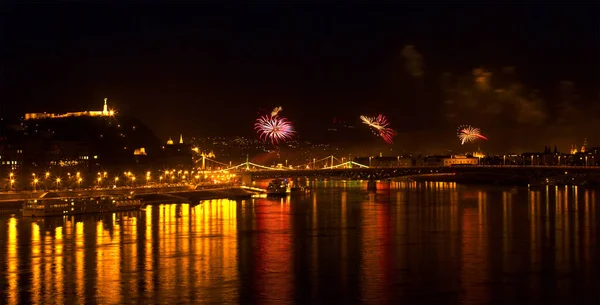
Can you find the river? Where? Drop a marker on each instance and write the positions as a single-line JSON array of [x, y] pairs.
[[407, 243]]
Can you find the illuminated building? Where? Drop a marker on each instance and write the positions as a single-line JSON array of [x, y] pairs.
[[460, 160], [140, 152], [448, 160], [582, 150], [478, 154], [573, 150], [87, 140], [177, 155], [44, 115], [11, 156]]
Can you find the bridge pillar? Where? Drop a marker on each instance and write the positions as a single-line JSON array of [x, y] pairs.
[[246, 178], [371, 185]]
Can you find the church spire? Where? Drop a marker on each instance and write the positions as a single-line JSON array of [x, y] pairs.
[[180, 138]]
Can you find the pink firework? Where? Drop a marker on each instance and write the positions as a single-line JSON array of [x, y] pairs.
[[274, 128], [380, 127], [467, 133]]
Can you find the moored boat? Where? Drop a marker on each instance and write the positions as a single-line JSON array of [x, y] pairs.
[[278, 187], [51, 204]]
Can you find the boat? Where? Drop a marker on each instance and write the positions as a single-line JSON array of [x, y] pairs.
[[297, 189], [278, 187], [51, 204]]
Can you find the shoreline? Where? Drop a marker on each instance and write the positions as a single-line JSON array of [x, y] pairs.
[[14, 201]]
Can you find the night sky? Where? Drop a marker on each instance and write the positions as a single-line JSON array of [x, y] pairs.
[[208, 69]]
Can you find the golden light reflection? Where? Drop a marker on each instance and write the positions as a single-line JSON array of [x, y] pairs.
[[47, 261], [219, 257], [559, 227], [344, 233], [12, 263], [149, 255], [473, 245], [377, 261], [108, 262], [79, 261], [481, 206], [36, 279], [166, 243], [586, 222], [273, 255], [130, 253], [534, 215], [59, 280]]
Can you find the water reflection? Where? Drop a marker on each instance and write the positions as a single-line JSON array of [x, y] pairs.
[[407, 242]]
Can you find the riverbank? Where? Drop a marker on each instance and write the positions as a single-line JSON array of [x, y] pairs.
[[15, 200]]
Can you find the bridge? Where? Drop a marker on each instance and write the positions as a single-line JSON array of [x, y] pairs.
[[329, 162], [331, 166], [507, 174]]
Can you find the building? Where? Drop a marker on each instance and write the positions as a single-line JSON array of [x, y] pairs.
[[574, 150], [44, 115], [86, 141], [460, 160], [11, 157], [177, 155]]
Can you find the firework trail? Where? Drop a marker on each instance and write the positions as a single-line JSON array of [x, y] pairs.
[[274, 128], [380, 126], [468, 133], [276, 110]]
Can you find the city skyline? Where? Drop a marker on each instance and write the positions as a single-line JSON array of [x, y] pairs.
[[211, 74], [291, 153]]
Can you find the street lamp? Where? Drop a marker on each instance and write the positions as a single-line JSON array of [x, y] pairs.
[[35, 181], [99, 180], [12, 182], [47, 174], [79, 181], [116, 180], [57, 182]]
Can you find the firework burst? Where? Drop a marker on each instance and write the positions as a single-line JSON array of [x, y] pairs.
[[274, 128], [468, 133], [380, 124]]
